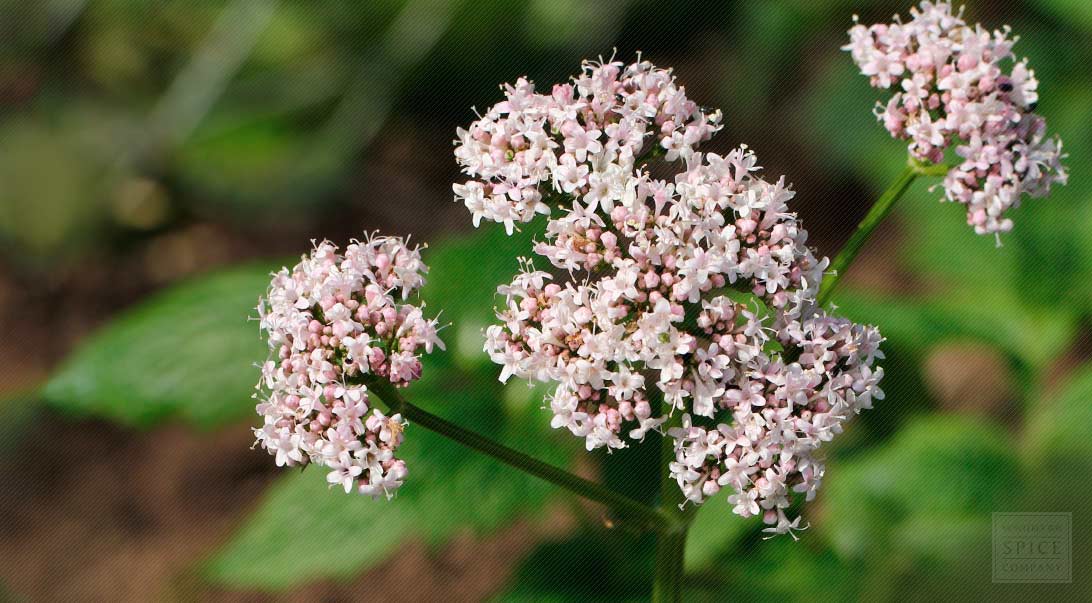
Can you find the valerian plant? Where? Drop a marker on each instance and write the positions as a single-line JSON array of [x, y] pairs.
[[687, 311]]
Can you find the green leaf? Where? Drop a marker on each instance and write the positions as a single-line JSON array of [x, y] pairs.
[[186, 353], [779, 569], [596, 565], [190, 351], [18, 415], [1069, 11], [464, 272], [841, 130], [1044, 265], [450, 488], [938, 470], [304, 532], [54, 198], [1060, 429], [715, 530], [1032, 335]]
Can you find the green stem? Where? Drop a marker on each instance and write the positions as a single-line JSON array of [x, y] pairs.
[[875, 216], [623, 505], [670, 543], [670, 554]]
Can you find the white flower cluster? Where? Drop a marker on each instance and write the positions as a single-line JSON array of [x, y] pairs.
[[693, 296], [330, 320], [583, 138], [952, 89]]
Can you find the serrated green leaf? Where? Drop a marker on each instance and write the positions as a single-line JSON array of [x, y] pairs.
[[186, 353]]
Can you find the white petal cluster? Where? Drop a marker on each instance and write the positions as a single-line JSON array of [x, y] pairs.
[[331, 319], [584, 136], [693, 296], [952, 88]]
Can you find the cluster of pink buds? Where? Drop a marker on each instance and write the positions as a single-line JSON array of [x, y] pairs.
[[693, 296], [952, 89], [330, 320], [582, 139]]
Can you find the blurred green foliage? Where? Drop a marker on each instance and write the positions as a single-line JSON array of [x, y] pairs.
[[189, 352], [345, 533], [905, 513]]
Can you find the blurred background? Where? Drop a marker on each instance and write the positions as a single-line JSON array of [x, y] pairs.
[[157, 160]]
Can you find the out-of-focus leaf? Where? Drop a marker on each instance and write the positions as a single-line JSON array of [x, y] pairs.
[[188, 352], [1069, 10], [1060, 427], [714, 531], [940, 469], [1034, 336], [752, 83], [304, 532], [1043, 266], [464, 273], [843, 132], [1045, 261], [17, 414], [777, 569], [55, 182], [598, 565], [255, 163]]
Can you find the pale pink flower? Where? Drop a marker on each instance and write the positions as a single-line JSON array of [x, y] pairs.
[[330, 320], [955, 91]]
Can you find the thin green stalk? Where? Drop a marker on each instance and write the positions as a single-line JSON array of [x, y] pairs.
[[625, 506], [670, 543], [875, 216]]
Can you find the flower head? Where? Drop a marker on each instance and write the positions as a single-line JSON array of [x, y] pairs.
[[959, 85], [583, 138], [331, 319], [697, 297]]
